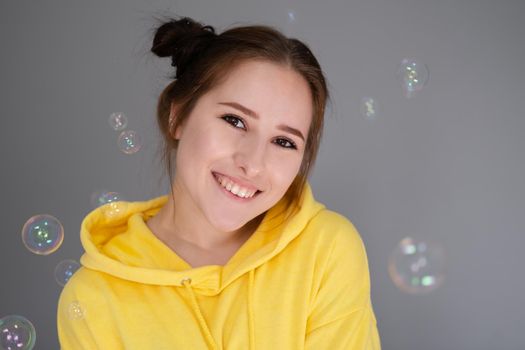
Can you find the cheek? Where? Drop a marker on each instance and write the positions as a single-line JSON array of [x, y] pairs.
[[283, 170], [194, 146]]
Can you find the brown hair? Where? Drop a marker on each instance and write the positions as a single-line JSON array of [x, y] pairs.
[[203, 58]]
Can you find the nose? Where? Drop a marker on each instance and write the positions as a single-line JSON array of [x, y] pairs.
[[250, 157]]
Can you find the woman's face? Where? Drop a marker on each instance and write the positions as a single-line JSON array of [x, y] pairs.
[[247, 128]]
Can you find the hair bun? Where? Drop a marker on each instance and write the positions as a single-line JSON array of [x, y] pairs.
[[182, 39]]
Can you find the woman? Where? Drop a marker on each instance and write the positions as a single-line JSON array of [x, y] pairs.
[[240, 255]]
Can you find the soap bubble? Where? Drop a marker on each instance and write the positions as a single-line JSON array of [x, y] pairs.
[[417, 266], [96, 198], [112, 203], [99, 198], [112, 210], [413, 76], [291, 16], [369, 107], [64, 270], [118, 121], [76, 311], [290, 19], [42, 234], [129, 142], [16, 332]]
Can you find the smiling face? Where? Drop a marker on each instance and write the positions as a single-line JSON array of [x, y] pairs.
[[252, 127]]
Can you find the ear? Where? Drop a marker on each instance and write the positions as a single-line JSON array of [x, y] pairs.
[[176, 134]]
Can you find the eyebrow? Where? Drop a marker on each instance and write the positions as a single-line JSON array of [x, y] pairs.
[[252, 114]]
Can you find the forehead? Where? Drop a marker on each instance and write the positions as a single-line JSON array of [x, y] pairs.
[[274, 91]]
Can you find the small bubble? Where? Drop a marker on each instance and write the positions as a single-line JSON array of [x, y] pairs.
[[42, 234], [291, 16], [16, 332], [64, 270], [118, 121], [369, 107], [76, 311], [129, 142], [413, 76]]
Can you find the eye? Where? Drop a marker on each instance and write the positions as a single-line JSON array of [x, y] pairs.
[[233, 120], [229, 118], [291, 143]]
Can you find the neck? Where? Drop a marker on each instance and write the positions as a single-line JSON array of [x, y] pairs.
[[168, 226]]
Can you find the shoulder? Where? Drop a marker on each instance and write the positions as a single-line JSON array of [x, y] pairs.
[[86, 289], [342, 271], [85, 279], [343, 247], [337, 231]]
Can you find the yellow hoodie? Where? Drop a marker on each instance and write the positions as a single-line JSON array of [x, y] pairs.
[[300, 284]]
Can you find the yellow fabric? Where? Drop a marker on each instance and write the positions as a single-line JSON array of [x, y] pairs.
[[299, 284]]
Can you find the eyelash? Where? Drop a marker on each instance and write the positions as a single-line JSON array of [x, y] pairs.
[[226, 116]]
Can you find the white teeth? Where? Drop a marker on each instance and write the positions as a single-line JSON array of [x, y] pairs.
[[235, 189]]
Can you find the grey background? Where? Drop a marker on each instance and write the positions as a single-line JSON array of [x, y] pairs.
[[446, 165]]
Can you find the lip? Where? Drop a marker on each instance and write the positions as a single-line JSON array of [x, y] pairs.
[[238, 181], [231, 195]]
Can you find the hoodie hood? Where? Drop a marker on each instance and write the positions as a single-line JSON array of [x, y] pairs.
[[123, 246]]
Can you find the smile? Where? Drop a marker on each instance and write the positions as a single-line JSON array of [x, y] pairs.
[[233, 190]]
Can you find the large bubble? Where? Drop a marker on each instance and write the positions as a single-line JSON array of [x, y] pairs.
[[42, 234], [16, 333], [417, 266]]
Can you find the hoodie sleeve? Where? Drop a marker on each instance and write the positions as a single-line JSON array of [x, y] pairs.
[[342, 316], [83, 321]]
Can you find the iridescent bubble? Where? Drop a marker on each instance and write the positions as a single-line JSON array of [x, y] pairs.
[[112, 210], [118, 121], [112, 203], [106, 197], [64, 270], [101, 197], [96, 198], [42, 234], [76, 311], [369, 107], [417, 266], [413, 76], [16, 332], [129, 142]]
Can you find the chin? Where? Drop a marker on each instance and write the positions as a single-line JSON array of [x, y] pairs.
[[227, 223]]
